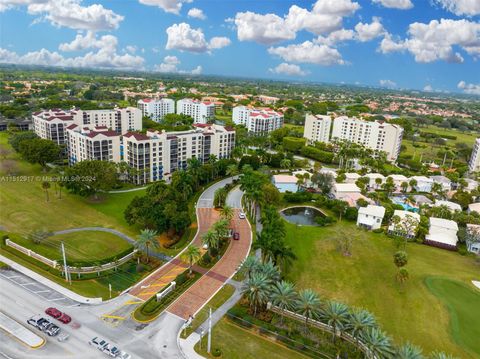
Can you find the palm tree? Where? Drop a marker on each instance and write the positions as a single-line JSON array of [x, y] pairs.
[[437, 188], [146, 240], [378, 344], [191, 255], [308, 305], [413, 184], [226, 213], [336, 315], [283, 296], [409, 351], [270, 271], [285, 163], [264, 243], [232, 170], [256, 288], [250, 265], [441, 355], [211, 240], [359, 321], [46, 186]]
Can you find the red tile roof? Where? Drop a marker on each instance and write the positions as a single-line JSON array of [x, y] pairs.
[[137, 136]]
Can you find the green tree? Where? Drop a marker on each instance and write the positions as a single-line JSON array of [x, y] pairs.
[[378, 343], [146, 241], [46, 187], [283, 296], [336, 315], [39, 151], [256, 288], [191, 255], [250, 265], [226, 213], [211, 240], [308, 304], [409, 351]]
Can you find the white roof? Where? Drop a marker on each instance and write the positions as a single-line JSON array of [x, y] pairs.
[[377, 211], [451, 205], [474, 207], [329, 171], [445, 238], [352, 175], [443, 223], [374, 175], [421, 179], [473, 227], [285, 179], [402, 214], [441, 179], [398, 177], [346, 187]]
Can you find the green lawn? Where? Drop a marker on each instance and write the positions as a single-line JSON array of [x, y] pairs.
[[463, 303], [85, 246], [216, 302], [367, 279], [237, 343]]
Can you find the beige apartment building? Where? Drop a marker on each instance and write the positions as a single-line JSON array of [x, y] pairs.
[[317, 128]]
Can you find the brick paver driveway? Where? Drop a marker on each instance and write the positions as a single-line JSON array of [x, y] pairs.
[[190, 302]]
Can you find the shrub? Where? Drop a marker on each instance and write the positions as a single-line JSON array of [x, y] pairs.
[[378, 230], [217, 352], [181, 278], [140, 268]]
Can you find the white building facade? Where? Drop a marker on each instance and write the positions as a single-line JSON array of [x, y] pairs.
[[257, 120], [156, 155], [156, 109], [442, 233], [377, 135], [474, 163], [370, 217], [201, 112], [317, 128]]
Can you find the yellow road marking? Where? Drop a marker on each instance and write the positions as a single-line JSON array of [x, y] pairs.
[[131, 302], [113, 317]]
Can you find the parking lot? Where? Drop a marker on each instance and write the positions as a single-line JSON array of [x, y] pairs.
[[37, 288]]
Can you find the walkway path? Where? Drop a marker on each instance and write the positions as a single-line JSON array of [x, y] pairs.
[[128, 190]]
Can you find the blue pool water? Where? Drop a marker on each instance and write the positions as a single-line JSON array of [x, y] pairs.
[[402, 202]]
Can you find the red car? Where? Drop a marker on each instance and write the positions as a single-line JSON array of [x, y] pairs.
[[55, 313], [236, 236]]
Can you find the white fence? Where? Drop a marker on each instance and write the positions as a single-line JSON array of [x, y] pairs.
[[74, 270]]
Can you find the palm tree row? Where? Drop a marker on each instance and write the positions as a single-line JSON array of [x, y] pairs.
[[217, 233], [263, 284]]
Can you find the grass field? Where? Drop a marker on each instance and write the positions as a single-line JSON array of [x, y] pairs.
[[463, 303], [86, 246], [367, 279], [237, 343]]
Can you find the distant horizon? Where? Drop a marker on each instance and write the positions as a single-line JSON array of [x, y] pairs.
[[431, 45]]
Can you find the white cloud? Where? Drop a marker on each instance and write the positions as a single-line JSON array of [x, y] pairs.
[[461, 7], [367, 32], [89, 40], [196, 13], [326, 16], [336, 37], [436, 40], [170, 6], [184, 38], [395, 4], [308, 52], [170, 65], [132, 49], [388, 83], [471, 89], [69, 13], [428, 88], [264, 29], [104, 58], [288, 69]]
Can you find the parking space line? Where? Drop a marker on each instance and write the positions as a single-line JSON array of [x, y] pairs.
[[24, 284], [113, 317], [54, 300], [42, 291]]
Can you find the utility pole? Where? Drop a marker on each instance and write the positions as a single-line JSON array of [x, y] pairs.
[[65, 268], [209, 331]]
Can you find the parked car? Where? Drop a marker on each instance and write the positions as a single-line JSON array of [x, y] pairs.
[[111, 351], [63, 337], [52, 330], [124, 355], [236, 236], [44, 325], [98, 343], [65, 318], [241, 215], [34, 321], [53, 312]]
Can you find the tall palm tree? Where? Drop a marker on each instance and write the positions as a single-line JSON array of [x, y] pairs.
[[359, 321], [211, 240], [46, 186], [409, 351], [250, 265], [336, 315], [257, 289], [378, 344], [226, 213], [147, 240], [270, 270], [264, 243], [232, 170], [308, 304], [283, 296], [191, 255]]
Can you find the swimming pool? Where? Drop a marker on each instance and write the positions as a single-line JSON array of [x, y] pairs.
[[402, 201]]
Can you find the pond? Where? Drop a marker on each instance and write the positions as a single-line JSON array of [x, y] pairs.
[[302, 215]]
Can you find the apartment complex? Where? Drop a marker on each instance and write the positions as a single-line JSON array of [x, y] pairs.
[[257, 120], [317, 128], [156, 109], [474, 164], [92, 143], [376, 135], [201, 112], [52, 124], [156, 155]]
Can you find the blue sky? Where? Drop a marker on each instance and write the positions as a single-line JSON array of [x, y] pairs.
[[418, 44]]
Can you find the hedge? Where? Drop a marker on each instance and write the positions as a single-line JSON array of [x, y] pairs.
[[316, 154]]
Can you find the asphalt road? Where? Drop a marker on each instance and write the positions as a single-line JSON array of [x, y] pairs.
[[206, 198]]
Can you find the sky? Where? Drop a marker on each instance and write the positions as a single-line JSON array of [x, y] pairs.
[[431, 45]]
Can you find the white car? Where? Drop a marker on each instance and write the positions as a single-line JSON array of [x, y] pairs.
[[241, 215], [125, 355]]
